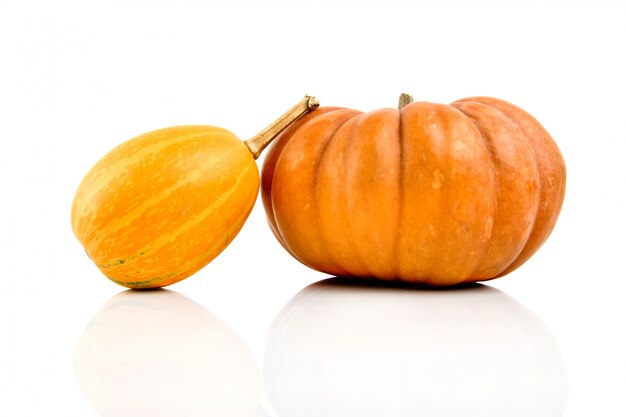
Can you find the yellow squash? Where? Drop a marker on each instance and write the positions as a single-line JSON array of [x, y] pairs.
[[162, 205]]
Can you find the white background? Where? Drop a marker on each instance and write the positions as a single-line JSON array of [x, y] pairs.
[[77, 78]]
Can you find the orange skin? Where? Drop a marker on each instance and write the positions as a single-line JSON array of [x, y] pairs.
[[159, 207], [432, 194]]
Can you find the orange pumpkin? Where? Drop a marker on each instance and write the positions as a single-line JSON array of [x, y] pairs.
[[427, 193], [159, 207]]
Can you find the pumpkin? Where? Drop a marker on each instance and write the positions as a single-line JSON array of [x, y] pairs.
[[162, 205], [428, 193]]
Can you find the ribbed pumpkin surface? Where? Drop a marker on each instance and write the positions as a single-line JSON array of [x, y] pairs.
[[161, 206], [431, 193]]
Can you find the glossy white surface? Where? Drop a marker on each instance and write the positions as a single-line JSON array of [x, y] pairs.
[[158, 353], [344, 349], [78, 77]]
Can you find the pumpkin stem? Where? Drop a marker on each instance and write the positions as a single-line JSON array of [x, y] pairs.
[[260, 141], [404, 100]]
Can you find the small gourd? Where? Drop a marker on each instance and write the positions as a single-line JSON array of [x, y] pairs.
[[162, 205]]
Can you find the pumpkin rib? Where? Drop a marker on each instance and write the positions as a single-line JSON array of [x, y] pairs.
[[439, 154], [552, 175], [496, 185], [369, 211], [323, 153], [477, 240], [541, 229], [423, 125], [294, 143], [535, 210], [269, 164], [503, 163], [322, 160], [525, 249], [269, 169], [357, 261]]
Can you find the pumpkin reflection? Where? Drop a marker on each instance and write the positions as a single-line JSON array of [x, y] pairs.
[[158, 353], [347, 349]]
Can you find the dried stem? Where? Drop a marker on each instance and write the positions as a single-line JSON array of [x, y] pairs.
[[260, 141], [405, 99]]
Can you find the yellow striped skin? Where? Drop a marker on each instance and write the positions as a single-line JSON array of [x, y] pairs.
[[162, 205]]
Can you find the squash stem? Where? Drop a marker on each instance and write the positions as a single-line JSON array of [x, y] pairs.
[[260, 141], [405, 99]]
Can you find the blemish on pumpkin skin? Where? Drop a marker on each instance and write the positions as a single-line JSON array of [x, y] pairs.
[[437, 180], [460, 227], [459, 146]]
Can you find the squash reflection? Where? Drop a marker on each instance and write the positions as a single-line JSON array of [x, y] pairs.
[[346, 349], [157, 353]]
